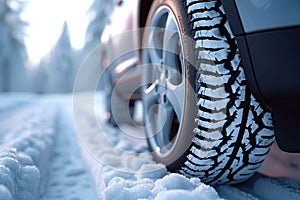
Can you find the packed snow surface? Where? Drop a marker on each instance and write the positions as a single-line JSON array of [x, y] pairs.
[[50, 149]]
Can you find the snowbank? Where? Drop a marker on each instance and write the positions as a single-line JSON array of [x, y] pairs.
[[171, 186], [25, 152]]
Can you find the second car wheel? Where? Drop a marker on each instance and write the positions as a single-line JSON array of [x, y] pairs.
[[201, 119]]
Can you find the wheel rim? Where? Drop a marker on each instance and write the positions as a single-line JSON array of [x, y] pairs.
[[164, 82]]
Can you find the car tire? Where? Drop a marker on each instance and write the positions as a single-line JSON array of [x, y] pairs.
[[219, 133]]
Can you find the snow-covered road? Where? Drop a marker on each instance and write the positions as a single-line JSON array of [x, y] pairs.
[[45, 154]]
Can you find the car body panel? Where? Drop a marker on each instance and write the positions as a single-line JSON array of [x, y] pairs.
[[261, 15], [123, 19]]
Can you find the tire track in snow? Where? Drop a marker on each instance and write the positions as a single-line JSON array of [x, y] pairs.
[[69, 177]]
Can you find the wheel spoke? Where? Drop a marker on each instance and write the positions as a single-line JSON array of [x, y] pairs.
[[176, 96], [151, 74], [164, 125], [171, 23], [151, 96], [150, 85], [170, 44], [154, 45]]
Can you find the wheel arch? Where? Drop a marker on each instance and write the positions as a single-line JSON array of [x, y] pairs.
[[144, 8]]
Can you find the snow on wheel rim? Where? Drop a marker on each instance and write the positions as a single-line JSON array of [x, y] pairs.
[[163, 94]]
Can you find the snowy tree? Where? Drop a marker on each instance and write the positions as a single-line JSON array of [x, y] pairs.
[[62, 63], [13, 55], [39, 76], [56, 71]]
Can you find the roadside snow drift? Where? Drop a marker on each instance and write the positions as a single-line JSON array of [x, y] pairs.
[[26, 143]]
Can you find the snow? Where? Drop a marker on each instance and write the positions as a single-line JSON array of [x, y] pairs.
[[12, 100], [47, 152], [172, 186], [29, 150], [269, 188], [25, 156]]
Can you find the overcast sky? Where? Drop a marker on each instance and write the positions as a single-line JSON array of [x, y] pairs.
[[46, 18]]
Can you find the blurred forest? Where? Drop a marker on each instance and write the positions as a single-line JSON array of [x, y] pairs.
[[56, 71]]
